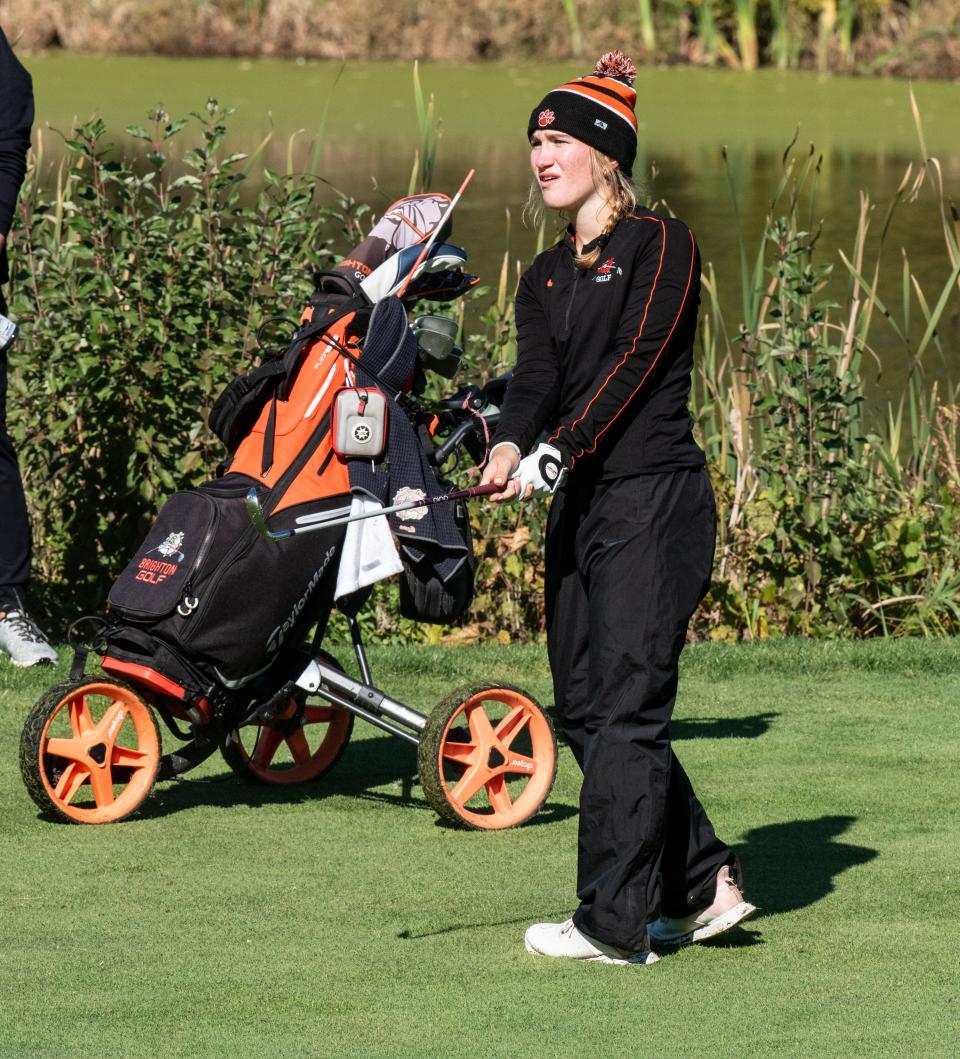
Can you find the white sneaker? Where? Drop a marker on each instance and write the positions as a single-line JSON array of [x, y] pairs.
[[728, 909], [564, 939], [23, 641]]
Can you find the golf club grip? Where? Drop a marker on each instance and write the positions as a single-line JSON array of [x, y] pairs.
[[475, 490]]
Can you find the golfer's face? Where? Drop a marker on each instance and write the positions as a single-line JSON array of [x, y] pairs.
[[562, 168]]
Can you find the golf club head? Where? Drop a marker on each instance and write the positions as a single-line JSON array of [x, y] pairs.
[[437, 341], [255, 511], [443, 286], [390, 276]]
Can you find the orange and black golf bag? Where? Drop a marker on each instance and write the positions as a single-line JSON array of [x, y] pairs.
[[207, 601]]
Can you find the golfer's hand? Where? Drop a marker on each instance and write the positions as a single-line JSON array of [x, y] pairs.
[[504, 460], [540, 472]]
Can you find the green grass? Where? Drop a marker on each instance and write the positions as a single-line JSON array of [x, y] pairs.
[[343, 921]]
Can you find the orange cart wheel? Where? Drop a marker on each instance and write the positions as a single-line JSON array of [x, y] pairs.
[[487, 757], [291, 748], [89, 751]]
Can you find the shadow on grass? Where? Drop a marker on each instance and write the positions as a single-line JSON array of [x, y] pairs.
[[367, 766], [794, 864], [722, 727], [789, 866], [751, 727], [408, 935]]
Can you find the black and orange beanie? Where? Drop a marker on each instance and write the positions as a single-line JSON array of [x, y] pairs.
[[598, 109]]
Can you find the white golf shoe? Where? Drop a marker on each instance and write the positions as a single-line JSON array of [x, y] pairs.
[[23, 641], [728, 909], [564, 939]]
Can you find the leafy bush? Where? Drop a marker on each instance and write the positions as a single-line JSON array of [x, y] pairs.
[[828, 526], [139, 293]]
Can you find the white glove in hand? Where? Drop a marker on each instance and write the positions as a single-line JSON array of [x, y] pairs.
[[543, 469]]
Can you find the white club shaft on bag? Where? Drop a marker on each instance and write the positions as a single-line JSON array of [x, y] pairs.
[[337, 518]]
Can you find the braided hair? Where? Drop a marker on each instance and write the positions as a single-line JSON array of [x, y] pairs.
[[620, 195]]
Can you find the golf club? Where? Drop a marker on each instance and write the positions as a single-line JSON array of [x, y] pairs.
[[337, 518]]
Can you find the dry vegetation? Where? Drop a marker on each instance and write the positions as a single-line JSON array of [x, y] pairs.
[[919, 38], [362, 29]]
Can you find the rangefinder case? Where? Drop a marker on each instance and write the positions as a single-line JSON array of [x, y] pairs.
[[360, 422]]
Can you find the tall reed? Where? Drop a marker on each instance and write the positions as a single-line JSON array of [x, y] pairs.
[[832, 519], [745, 15], [648, 32], [429, 128], [573, 22]]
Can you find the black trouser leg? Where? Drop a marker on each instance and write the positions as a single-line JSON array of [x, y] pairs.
[[692, 853], [14, 527], [643, 550], [568, 634]]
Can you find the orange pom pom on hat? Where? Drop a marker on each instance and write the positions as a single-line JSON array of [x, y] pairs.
[[597, 109]]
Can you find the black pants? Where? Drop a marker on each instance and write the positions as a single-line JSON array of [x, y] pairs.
[[14, 528], [628, 562]]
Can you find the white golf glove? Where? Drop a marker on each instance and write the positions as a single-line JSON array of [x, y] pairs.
[[543, 469]]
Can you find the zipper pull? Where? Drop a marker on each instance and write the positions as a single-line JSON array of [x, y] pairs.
[[187, 605]]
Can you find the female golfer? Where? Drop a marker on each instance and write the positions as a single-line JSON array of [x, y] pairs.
[[605, 327]]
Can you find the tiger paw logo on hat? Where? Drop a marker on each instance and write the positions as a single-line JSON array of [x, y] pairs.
[[545, 118]]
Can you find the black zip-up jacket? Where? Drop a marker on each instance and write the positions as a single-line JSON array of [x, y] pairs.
[[605, 355], [16, 118]]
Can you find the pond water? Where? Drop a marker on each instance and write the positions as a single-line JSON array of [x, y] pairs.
[[359, 124]]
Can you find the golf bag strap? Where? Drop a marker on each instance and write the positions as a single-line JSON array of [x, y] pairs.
[[355, 304], [79, 664], [269, 436], [283, 368], [318, 324]]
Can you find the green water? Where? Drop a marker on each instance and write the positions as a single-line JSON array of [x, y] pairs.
[[360, 125]]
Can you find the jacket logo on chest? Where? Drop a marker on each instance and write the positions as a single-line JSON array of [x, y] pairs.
[[607, 271]]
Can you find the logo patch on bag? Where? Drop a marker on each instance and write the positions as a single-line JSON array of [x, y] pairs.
[[171, 546], [406, 495], [276, 638], [153, 571]]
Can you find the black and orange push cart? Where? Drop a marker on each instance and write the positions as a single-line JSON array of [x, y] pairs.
[[91, 748]]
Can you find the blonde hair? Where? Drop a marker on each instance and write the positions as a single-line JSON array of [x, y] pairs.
[[619, 192]]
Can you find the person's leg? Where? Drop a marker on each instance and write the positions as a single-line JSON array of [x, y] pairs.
[[692, 854], [14, 527], [567, 612], [569, 648], [700, 875], [19, 636], [646, 551], [567, 625]]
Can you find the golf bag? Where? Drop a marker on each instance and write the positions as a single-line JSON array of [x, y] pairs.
[[206, 600]]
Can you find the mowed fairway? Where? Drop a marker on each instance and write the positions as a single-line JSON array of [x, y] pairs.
[[342, 920]]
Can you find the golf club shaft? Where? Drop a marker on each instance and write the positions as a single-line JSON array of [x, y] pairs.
[[459, 494], [256, 512]]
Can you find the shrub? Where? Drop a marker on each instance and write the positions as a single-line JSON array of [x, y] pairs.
[[140, 293]]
